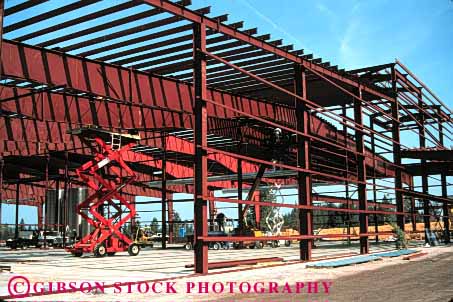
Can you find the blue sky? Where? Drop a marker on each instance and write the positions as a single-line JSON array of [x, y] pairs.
[[348, 33], [354, 33]]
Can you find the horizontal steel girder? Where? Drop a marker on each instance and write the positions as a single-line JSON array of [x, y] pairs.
[[145, 99]]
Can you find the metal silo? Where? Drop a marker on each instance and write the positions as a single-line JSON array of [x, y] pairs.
[[58, 212], [52, 212], [75, 221]]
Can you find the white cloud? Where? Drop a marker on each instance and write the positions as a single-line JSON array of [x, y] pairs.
[[349, 53], [324, 9], [269, 21]]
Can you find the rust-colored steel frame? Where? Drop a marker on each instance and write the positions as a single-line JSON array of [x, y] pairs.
[[383, 93]]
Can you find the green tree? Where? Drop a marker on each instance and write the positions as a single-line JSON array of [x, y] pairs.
[[189, 229], [154, 225], [22, 224], [292, 219], [176, 226], [401, 241]]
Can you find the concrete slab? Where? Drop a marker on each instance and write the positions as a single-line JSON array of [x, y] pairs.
[[150, 264]]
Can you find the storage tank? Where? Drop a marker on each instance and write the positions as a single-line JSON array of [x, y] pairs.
[[52, 209], [57, 213]]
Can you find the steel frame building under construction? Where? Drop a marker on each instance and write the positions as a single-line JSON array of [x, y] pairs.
[[207, 99]]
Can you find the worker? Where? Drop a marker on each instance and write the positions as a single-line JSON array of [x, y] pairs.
[[279, 145], [220, 220]]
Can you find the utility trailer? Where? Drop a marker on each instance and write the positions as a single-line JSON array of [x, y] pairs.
[[215, 245]]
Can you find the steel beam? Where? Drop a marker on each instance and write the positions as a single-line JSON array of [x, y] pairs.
[[64, 211], [102, 26], [200, 162], [413, 211], [155, 35], [428, 154], [23, 6], [397, 153], [222, 28], [16, 228], [304, 161], [79, 20], [373, 151], [48, 14], [2, 164], [361, 172], [55, 68], [251, 193], [220, 71], [443, 182], [170, 213], [430, 168], [240, 215], [40, 208], [164, 192], [135, 54], [229, 50], [2, 13], [445, 209], [425, 184]]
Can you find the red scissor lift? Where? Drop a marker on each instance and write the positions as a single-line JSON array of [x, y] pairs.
[[107, 237]]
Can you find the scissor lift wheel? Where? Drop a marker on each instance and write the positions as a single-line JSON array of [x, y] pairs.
[[100, 250], [133, 249]]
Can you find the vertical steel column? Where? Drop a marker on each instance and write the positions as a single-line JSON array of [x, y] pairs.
[[164, 190], [212, 212], [16, 229], [133, 219], [400, 219], [348, 201], [40, 209], [64, 208], [304, 181], [257, 198], [57, 205], [2, 11], [422, 142], [446, 214], [413, 211], [361, 173], [2, 164], [171, 226], [201, 128], [46, 201], [443, 183], [373, 150], [240, 218]]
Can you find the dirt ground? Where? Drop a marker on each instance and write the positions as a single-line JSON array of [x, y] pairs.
[[423, 281]]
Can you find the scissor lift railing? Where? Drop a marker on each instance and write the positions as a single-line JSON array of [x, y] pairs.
[[107, 237]]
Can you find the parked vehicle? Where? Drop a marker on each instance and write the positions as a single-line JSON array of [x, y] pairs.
[[26, 239], [290, 232], [158, 237], [52, 238], [143, 237], [215, 245], [249, 243]]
